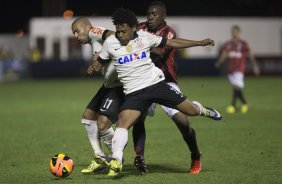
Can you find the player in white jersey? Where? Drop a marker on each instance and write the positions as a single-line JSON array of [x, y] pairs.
[[103, 109], [143, 84]]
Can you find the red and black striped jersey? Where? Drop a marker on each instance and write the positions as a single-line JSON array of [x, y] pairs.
[[165, 62], [237, 53]]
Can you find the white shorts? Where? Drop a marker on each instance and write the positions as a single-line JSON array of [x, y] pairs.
[[236, 79], [169, 111]]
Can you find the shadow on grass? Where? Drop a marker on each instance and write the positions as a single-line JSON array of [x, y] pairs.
[[130, 170], [57, 178]]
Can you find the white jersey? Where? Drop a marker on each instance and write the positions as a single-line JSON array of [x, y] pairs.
[[108, 71], [133, 63]]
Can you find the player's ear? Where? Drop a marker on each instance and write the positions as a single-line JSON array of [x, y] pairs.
[[88, 27]]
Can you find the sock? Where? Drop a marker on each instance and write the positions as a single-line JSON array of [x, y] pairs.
[[119, 142], [235, 96], [241, 96], [199, 106], [189, 135], [191, 141], [93, 135], [139, 135], [107, 136]]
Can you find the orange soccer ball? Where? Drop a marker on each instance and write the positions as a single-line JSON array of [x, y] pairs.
[[61, 165]]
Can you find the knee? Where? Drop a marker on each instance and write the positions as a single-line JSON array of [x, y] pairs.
[[90, 115], [127, 118], [103, 123]]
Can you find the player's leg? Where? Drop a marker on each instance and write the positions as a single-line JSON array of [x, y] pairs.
[[106, 132], [108, 111], [89, 119], [131, 109], [236, 79], [196, 109], [188, 133], [139, 138], [239, 76], [169, 96], [189, 136], [125, 120]]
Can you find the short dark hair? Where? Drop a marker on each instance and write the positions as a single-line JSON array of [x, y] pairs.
[[236, 27], [124, 16], [160, 4]]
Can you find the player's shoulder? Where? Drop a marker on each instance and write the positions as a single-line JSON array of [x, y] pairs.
[[95, 33], [167, 31], [111, 39], [142, 33], [169, 28], [97, 30], [142, 25]]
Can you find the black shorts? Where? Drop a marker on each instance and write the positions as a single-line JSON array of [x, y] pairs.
[[160, 93], [107, 101]]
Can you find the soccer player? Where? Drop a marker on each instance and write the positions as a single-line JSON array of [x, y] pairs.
[[103, 108], [163, 58], [142, 81], [236, 51]]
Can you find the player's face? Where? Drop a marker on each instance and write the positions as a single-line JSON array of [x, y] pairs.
[[235, 33], [80, 33], [124, 33], [155, 17]]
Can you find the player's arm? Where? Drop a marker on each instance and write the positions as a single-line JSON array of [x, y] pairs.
[[95, 65], [103, 57], [100, 34], [180, 43], [221, 59], [254, 63], [177, 43], [107, 33]]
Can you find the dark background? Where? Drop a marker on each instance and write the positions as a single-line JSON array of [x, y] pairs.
[[15, 15]]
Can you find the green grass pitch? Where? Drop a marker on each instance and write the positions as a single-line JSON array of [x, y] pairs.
[[42, 117]]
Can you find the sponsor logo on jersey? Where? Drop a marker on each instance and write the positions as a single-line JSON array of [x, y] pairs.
[[138, 56], [96, 30], [234, 54]]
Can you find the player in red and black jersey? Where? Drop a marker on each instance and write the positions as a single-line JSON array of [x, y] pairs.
[[164, 59], [237, 51]]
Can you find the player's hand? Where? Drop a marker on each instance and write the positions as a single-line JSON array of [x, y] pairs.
[[256, 70], [208, 42], [90, 70]]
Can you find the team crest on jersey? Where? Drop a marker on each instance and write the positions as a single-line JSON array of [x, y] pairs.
[[169, 35], [129, 48], [139, 43], [138, 56]]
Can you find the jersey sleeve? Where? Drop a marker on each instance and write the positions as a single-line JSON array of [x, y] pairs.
[[247, 47], [170, 34], [104, 55], [225, 47], [96, 47], [154, 40], [97, 33]]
